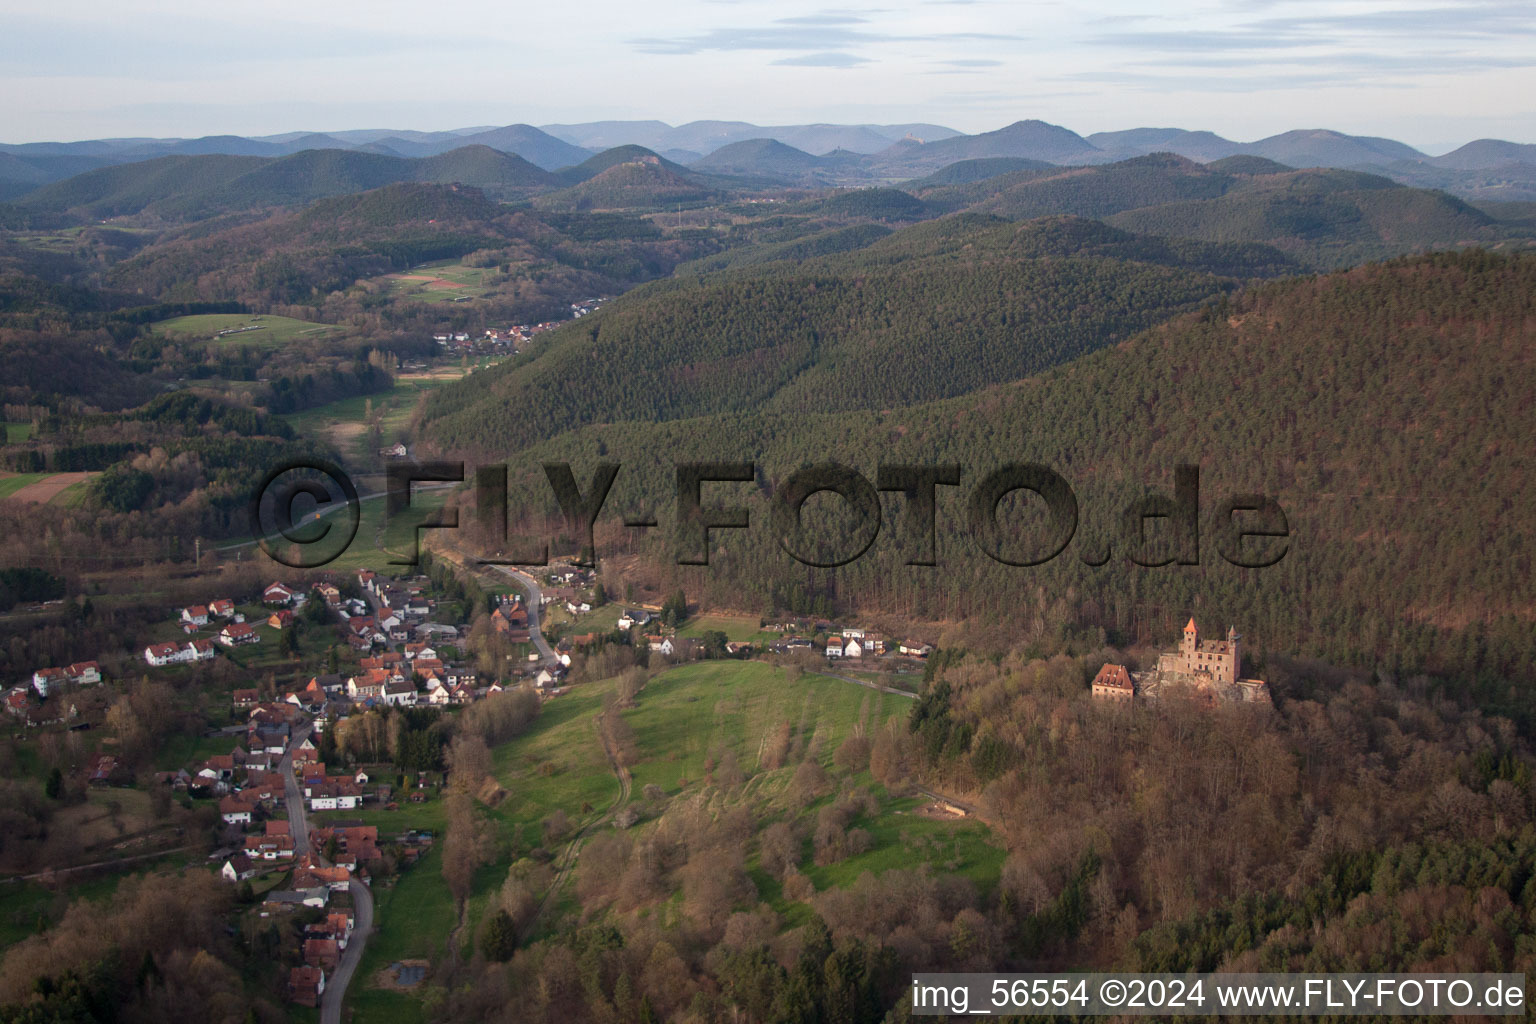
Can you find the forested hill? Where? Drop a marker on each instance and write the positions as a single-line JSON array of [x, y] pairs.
[[1325, 218], [1385, 408], [179, 188], [931, 311], [297, 256]]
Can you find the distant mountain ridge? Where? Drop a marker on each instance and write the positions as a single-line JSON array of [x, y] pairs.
[[182, 186], [789, 154]]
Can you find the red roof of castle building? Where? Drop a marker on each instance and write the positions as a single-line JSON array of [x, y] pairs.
[[1115, 676]]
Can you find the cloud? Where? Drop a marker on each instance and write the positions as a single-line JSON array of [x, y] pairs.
[[821, 33], [1467, 21], [825, 18], [822, 60], [972, 63]]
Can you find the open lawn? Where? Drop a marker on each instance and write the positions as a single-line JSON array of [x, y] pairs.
[[902, 839], [735, 627], [696, 711], [412, 919], [682, 716], [262, 329], [15, 433], [185, 751]]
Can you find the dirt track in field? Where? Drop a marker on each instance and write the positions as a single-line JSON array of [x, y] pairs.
[[44, 491]]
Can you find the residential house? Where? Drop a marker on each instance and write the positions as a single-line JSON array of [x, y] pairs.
[[633, 617], [278, 594], [223, 608], [195, 615], [322, 953], [915, 648], [238, 634], [369, 684], [834, 647], [81, 673], [280, 619], [399, 694], [338, 793], [235, 811], [306, 985], [160, 655], [238, 868], [329, 594], [245, 698]]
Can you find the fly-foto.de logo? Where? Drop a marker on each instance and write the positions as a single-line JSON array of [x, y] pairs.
[[1247, 530]]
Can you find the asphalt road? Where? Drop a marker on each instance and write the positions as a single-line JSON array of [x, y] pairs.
[[535, 604], [362, 926], [362, 898], [293, 795]]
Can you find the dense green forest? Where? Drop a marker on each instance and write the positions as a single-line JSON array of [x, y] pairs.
[[1377, 406], [931, 311], [1325, 218]]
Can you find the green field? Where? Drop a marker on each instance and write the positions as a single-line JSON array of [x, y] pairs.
[[16, 433], [412, 920], [9, 485], [267, 330], [445, 281], [559, 763], [700, 710], [682, 716], [344, 423], [735, 627]]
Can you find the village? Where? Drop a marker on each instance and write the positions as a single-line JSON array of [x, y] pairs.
[[508, 340], [291, 803]]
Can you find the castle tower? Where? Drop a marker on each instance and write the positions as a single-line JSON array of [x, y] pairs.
[[1189, 646], [1233, 639]]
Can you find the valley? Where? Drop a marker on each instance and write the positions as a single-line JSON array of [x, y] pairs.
[[625, 785]]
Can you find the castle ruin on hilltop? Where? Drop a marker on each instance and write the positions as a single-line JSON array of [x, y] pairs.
[[1206, 670]]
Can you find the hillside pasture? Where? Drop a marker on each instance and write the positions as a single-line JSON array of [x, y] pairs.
[[444, 281], [262, 329]]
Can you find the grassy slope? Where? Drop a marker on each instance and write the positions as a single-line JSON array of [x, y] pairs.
[[275, 330], [9, 485], [692, 712]]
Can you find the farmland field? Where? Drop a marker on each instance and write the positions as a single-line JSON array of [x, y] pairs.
[[444, 281], [262, 329], [16, 433], [14, 482], [344, 423]]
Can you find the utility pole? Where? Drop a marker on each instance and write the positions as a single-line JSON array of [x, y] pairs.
[[197, 558]]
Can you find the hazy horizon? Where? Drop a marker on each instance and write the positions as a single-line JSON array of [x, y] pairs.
[[1433, 76], [1429, 149]]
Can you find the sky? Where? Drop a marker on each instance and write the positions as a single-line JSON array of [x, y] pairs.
[[1433, 74]]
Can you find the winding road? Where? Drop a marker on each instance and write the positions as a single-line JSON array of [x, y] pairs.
[[535, 605], [362, 897]]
